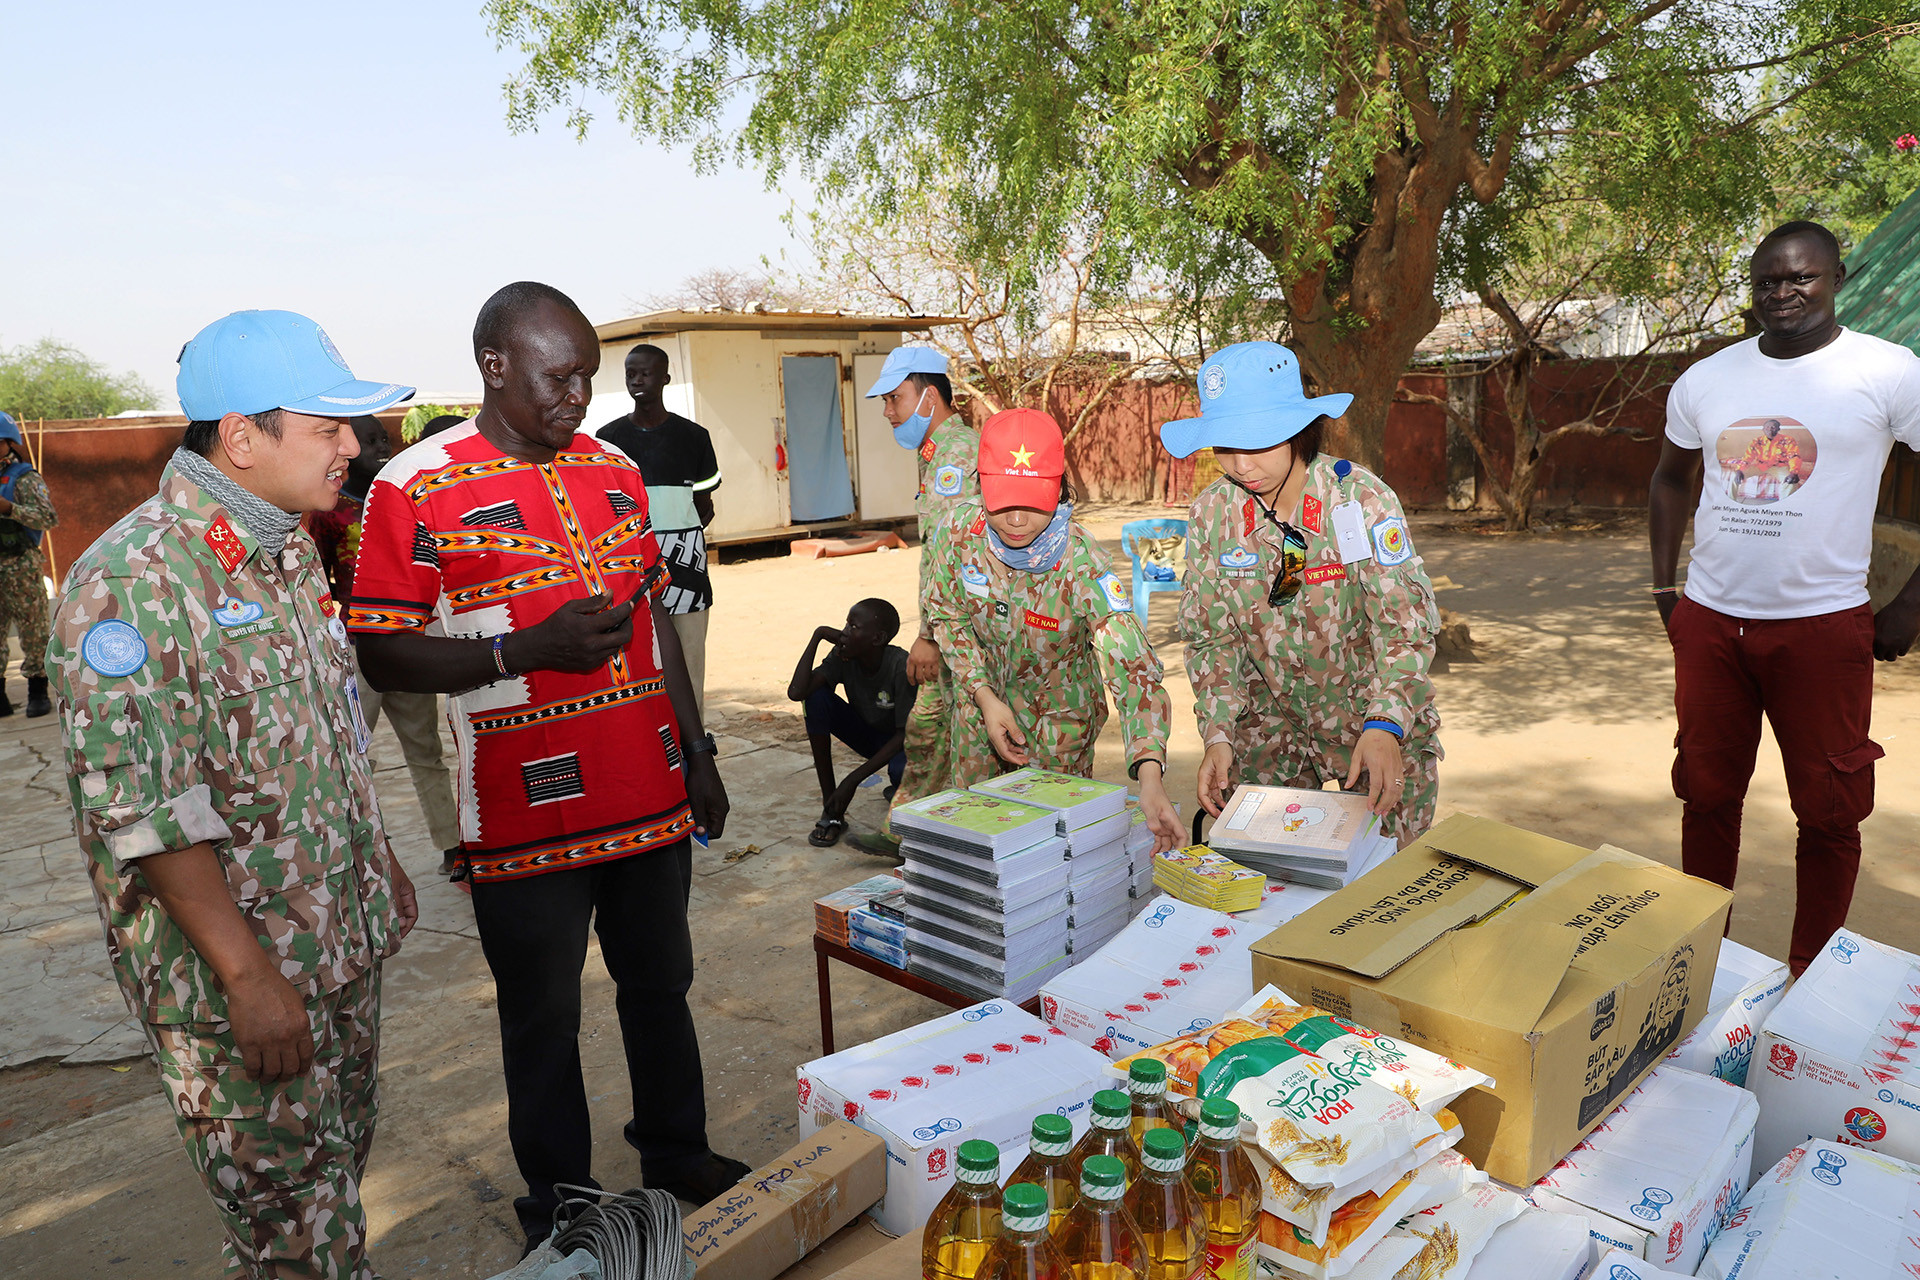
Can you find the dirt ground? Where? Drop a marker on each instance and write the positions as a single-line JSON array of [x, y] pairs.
[[1563, 725]]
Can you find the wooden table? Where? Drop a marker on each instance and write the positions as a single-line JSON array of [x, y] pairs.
[[825, 949]]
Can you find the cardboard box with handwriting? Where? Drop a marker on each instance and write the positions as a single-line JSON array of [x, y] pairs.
[[781, 1211], [1566, 974]]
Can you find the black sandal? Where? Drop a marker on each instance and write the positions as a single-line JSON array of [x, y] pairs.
[[827, 832]]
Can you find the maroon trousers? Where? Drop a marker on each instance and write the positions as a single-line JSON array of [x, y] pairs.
[[1813, 679]]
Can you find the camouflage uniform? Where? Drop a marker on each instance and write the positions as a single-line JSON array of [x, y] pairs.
[[949, 476], [204, 688], [1046, 643], [1291, 686], [23, 595]]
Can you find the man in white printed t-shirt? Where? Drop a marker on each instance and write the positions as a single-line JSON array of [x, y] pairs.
[[1794, 428]]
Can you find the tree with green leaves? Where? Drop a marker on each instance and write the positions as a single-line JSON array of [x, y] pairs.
[[1370, 154], [53, 380]]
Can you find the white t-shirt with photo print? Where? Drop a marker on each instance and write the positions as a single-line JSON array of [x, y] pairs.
[[1793, 452]]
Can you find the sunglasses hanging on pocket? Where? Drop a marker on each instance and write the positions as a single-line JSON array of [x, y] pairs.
[[1293, 564]]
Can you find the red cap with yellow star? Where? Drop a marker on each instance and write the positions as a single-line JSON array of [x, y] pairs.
[[1022, 458]]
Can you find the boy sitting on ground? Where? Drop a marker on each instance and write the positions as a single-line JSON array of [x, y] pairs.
[[871, 719]]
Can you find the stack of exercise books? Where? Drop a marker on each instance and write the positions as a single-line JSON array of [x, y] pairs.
[[1139, 844], [831, 913], [1093, 819], [986, 893], [1326, 839], [878, 935], [1208, 879]]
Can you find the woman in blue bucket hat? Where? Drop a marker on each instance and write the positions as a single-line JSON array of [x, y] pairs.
[[1308, 618]]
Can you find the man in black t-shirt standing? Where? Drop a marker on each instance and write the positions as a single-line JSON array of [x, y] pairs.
[[871, 719], [675, 457]]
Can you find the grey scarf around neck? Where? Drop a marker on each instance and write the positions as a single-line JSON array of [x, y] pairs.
[[269, 525]]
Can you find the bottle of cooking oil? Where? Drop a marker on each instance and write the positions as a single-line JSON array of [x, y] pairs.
[[1228, 1186], [1024, 1250], [1109, 1135], [967, 1219], [1099, 1239], [1147, 1085], [1049, 1166], [1167, 1211]]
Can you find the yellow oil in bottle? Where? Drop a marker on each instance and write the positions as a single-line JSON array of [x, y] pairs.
[[1168, 1213], [1099, 1239], [1228, 1186], [1147, 1086], [1110, 1135], [1025, 1250], [966, 1222], [1049, 1166]]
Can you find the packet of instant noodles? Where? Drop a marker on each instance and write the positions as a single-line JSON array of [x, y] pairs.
[[1312, 1210], [1326, 1128], [1421, 1076], [1441, 1243], [1360, 1224]]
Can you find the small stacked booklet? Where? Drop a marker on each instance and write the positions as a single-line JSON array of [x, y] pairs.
[[987, 907], [1327, 839], [1208, 879], [1093, 819], [831, 913]]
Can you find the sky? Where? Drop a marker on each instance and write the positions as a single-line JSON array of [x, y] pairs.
[[166, 164]]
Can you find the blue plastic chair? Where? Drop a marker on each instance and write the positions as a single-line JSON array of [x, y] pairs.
[[1145, 583]]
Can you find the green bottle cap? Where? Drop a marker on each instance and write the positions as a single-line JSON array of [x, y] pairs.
[[1219, 1118], [1052, 1134], [1164, 1144], [979, 1157], [1150, 1072], [1110, 1105], [1103, 1178], [1024, 1208]]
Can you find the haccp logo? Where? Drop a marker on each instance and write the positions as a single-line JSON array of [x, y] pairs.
[[1865, 1124]]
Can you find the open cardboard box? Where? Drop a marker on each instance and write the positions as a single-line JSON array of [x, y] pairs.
[[1565, 974]]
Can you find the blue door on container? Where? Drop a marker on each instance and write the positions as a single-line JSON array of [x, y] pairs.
[[819, 485]]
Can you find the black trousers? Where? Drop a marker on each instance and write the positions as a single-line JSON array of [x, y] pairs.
[[534, 935]]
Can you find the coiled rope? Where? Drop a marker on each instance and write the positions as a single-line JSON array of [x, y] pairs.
[[634, 1236]]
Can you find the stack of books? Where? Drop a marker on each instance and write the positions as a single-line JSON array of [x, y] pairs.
[[1208, 879], [830, 914], [1139, 844], [986, 893], [878, 935], [1092, 817], [1326, 839]]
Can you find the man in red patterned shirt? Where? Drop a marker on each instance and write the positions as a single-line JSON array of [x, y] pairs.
[[584, 768]]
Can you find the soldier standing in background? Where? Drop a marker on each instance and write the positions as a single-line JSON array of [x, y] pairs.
[[1037, 629], [216, 759], [26, 512], [1308, 617], [917, 399]]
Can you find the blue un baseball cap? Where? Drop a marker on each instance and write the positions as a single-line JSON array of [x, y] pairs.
[[9, 429], [1250, 398], [902, 361], [252, 361]]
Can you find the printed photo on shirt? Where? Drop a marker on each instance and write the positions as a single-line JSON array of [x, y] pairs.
[[1764, 460]]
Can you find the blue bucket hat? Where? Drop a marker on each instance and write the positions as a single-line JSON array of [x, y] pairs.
[[9, 429], [902, 361], [252, 361], [1250, 398]]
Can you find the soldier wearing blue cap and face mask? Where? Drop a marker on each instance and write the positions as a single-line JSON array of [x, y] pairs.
[[26, 512], [917, 399], [216, 761], [1308, 617]]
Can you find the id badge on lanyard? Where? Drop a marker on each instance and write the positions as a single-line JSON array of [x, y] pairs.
[[362, 735]]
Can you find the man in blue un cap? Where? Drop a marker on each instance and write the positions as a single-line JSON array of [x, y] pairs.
[[26, 512], [917, 399], [216, 761]]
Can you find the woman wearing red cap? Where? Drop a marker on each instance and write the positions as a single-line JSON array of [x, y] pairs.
[[1033, 621], [1308, 618]]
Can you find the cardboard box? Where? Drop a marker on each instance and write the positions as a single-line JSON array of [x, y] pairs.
[[1837, 1058], [1661, 1174], [1564, 974], [1537, 1246], [1619, 1265], [782, 1211], [1746, 987], [896, 1260], [1826, 1210], [981, 1072]]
